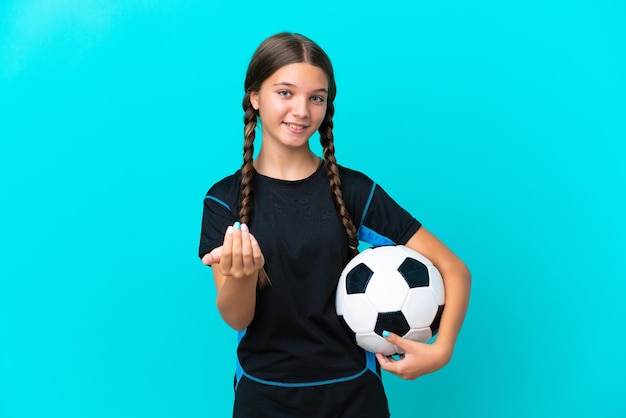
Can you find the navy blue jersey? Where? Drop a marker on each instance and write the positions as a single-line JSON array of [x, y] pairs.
[[296, 338]]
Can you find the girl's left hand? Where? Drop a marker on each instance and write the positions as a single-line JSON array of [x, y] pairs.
[[418, 358]]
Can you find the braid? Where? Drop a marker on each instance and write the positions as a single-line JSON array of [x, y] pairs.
[[250, 122], [328, 143]]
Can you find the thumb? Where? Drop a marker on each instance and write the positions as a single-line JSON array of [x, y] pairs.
[[213, 257]]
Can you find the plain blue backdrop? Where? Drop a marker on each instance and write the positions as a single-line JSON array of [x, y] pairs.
[[500, 125]]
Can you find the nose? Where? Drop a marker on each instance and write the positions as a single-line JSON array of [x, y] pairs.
[[301, 107]]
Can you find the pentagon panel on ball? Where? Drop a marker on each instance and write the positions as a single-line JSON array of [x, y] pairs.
[[390, 288]]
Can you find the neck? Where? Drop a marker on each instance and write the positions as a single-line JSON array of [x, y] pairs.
[[288, 166]]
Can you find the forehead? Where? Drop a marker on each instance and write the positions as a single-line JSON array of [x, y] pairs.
[[299, 75]]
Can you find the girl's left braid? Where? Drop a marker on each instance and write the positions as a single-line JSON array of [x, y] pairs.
[[328, 143]]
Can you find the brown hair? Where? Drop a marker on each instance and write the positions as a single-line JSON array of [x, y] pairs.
[[274, 53]]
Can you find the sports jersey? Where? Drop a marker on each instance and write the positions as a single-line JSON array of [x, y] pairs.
[[296, 338]]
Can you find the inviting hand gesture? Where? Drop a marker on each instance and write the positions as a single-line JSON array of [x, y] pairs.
[[240, 256]]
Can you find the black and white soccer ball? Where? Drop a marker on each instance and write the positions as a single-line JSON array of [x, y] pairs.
[[390, 288]]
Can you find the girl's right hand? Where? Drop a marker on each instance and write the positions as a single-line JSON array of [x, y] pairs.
[[213, 257], [241, 256], [236, 276]]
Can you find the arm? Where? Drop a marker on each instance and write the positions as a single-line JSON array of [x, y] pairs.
[[240, 260], [422, 358]]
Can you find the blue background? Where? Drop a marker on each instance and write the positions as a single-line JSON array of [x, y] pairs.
[[500, 125]]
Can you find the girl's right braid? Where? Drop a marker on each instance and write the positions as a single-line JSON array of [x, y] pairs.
[[328, 143], [247, 170]]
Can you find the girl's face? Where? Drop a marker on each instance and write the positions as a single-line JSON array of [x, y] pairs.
[[291, 104]]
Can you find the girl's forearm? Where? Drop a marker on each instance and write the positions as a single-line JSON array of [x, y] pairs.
[[457, 281], [236, 301]]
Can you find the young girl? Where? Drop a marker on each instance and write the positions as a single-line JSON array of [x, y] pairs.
[[278, 233]]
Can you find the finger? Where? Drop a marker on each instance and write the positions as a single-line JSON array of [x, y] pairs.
[[237, 262], [246, 251], [257, 255], [397, 340], [383, 359], [386, 363], [391, 337]]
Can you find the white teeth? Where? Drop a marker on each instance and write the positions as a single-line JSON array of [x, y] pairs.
[[291, 125]]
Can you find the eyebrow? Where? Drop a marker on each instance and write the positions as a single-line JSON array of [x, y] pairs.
[[284, 83]]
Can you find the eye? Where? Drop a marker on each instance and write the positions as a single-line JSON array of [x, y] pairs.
[[284, 93], [317, 99]]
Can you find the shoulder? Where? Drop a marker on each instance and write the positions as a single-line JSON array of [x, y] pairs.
[[227, 183], [226, 191], [354, 179]]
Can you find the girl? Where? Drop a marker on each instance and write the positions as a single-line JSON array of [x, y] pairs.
[[278, 233]]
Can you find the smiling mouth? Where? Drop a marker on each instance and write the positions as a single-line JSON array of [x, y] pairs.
[[295, 126]]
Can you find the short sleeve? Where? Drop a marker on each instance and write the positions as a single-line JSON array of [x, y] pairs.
[[220, 211], [380, 220], [385, 222]]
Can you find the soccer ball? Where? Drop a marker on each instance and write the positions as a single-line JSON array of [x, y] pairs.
[[390, 288]]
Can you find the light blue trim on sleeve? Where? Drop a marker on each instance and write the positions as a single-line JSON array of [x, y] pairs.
[[372, 237], [366, 234], [215, 199], [367, 204]]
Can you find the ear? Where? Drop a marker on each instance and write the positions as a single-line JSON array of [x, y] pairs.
[[254, 100]]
